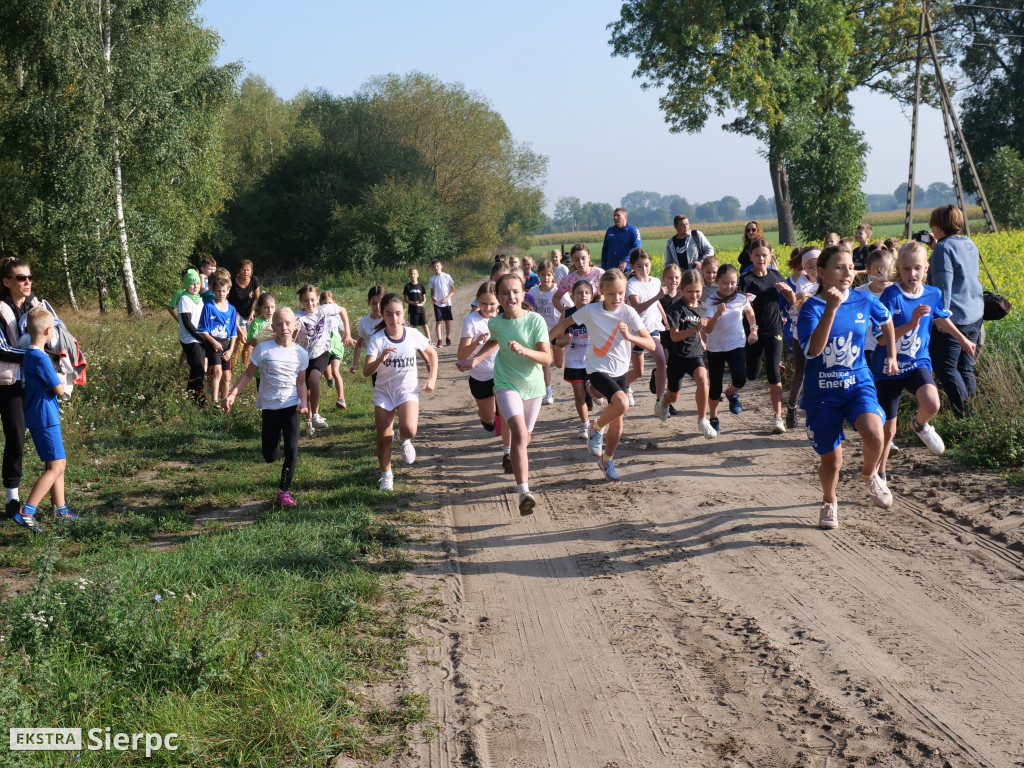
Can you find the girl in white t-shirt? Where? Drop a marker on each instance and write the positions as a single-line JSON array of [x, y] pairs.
[[644, 293], [367, 325], [544, 297], [391, 355], [574, 344], [281, 364], [481, 377], [726, 341], [315, 323], [613, 326]]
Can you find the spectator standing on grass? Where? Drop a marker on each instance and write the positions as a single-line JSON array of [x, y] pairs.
[[619, 241], [751, 232], [442, 288], [953, 269], [16, 298], [245, 290], [42, 415], [688, 247]]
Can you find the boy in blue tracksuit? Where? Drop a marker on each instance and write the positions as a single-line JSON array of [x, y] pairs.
[[42, 417]]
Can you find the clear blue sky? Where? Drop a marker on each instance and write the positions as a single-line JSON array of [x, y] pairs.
[[548, 69]]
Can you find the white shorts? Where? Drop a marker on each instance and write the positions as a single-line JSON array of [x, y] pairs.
[[389, 398], [511, 404]]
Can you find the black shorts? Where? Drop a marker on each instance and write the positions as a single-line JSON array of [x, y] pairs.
[[417, 316], [481, 390], [220, 359], [318, 363], [442, 313], [606, 385], [576, 375], [891, 390], [679, 367]]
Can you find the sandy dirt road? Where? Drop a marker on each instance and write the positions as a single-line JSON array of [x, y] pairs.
[[693, 615]]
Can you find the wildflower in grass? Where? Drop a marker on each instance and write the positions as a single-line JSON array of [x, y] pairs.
[[157, 599], [259, 655]]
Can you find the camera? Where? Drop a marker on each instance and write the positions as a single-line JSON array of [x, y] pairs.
[[923, 236]]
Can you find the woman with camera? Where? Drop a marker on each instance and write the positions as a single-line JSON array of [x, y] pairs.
[[953, 269]]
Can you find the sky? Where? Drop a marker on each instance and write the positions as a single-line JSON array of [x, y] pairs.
[[547, 68]]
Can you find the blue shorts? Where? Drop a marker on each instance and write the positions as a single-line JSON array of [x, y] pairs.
[[825, 420], [49, 443]]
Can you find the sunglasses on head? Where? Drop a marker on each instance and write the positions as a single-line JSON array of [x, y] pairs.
[[24, 278]]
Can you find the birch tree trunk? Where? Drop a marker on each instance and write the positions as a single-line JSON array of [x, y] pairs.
[[128, 275], [67, 276]]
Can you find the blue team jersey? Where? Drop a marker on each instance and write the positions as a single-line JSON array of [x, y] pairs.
[[787, 320], [41, 409], [841, 369], [911, 347], [221, 324]]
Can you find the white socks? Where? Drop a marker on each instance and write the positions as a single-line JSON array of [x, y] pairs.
[[523, 487], [12, 494]]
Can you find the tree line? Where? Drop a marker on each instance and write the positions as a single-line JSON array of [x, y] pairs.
[[126, 152]]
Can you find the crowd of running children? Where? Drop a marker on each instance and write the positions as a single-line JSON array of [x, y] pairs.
[[853, 350]]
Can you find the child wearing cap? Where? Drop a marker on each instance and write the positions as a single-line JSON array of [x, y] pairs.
[[190, 310]]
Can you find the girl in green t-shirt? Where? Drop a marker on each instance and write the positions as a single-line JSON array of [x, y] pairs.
[[521, 338]]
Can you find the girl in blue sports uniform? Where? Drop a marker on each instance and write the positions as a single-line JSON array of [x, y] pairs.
[[832, 327], [916, 309]]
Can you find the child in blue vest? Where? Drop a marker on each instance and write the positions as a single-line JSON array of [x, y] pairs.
[[832, 328], [42, 417]]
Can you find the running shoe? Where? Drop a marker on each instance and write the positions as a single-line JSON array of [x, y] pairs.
[[386, 482], [526, 503], [581, 433], [408, 452], [310, 429], [340, 403], [629, 396], [595, 440], [790, 418], [599, 402], [660, 411], [330, 383], [778, 426], [653, 387], [13, 507], [548, 399], [880, 494], [447, 341], [715, 425], [893, 448], [29, 521], [64, 513], [707, 429], [284, 500], [884, 479], [672, 411], [506, 463], [828, 517], [319, 421], [931, 438], [734, 404], [608, 467]]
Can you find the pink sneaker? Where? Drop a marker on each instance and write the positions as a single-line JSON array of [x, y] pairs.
[[284, 500]]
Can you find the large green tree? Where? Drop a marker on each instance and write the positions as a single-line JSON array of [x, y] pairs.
[[115, 122], [781, 65]]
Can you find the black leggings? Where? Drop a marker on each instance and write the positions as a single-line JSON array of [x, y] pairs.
[[737, 360], [195, 356], [12, 412], [278, 423], [770, 348]]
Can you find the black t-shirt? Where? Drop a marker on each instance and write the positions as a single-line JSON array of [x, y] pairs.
[[766, 301], [860, 257], [414, 293], [241, 298], [683, 318]]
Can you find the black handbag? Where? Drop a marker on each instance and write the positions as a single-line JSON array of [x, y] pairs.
[[997, 306]]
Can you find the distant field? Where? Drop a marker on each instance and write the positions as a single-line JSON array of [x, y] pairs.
[[729, 234]]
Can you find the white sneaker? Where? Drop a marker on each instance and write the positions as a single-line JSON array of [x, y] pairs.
[[879, 492], [547, 399], [582, 432], [526, 503], [661, 411], [599, 402], [408, 452], [386, 482], [629, 396], [828, 517], [310, 429], [706, 429], [778, 426], [932, 439], [595, 440], [319, 421]]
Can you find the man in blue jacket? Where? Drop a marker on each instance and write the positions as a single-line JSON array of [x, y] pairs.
[[619, 240]]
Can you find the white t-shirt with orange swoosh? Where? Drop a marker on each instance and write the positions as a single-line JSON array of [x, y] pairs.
[[609, 351]]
